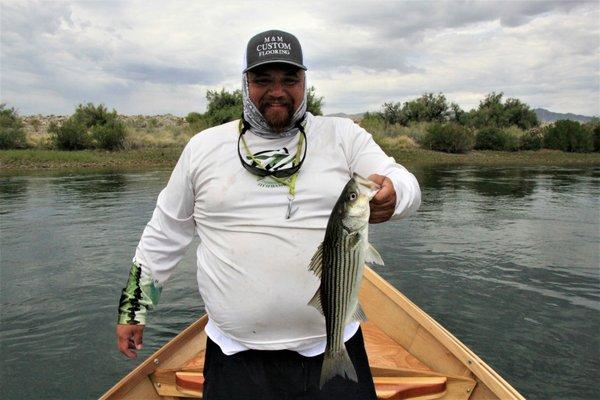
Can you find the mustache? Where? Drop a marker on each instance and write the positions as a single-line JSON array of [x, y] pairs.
[[266, 101]]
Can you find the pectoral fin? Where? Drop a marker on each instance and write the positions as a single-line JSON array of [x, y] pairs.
[[316, 262], [316, 301], [359, 314], [373, 256]]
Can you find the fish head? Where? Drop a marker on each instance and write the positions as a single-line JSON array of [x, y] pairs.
[[356, 196]]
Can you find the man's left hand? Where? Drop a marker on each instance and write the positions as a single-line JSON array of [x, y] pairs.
[[384, 202]]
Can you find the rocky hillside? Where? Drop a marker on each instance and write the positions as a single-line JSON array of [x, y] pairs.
[[38, 124]]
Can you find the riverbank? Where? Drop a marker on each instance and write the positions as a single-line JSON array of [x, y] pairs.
[[54, 159], [167, 157]]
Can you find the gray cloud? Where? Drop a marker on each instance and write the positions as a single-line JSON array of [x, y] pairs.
[[167, 74], [360, 54], [407, 19]]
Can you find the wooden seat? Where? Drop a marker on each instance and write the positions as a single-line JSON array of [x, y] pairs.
[[409, 387], [387, 388], [189, 382], [383, 353]]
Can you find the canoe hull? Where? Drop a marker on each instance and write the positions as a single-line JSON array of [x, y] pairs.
[[424, 349]]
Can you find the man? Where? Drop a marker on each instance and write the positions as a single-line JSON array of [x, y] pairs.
[[259, 192]]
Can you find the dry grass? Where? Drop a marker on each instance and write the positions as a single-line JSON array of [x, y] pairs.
[[396, 142]]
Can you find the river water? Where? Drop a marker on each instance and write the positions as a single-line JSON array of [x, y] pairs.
[[507, 259]]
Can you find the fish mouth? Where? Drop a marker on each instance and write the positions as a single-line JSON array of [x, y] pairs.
[[366, 186]]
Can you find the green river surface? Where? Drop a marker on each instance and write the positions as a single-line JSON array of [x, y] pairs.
[[507, 259]]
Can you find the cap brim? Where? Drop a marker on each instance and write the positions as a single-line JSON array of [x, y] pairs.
[[275, 62]]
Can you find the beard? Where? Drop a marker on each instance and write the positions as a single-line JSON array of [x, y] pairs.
[[280, 117]]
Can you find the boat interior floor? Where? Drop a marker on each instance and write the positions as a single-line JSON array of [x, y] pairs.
[[397, 374]]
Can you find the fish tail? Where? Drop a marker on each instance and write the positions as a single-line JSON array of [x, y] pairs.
[[337, 362]]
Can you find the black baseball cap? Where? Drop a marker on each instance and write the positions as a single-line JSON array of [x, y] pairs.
[[273, 46]]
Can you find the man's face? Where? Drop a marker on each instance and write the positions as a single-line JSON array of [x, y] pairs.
[[277, 91]]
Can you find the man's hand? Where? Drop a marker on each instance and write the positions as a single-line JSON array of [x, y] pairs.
[[384, 202], [130, 339]]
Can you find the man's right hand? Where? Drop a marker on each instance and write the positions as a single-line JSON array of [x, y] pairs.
[[130, 339]]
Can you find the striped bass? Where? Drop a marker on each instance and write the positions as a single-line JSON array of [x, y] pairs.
[[339, 262]]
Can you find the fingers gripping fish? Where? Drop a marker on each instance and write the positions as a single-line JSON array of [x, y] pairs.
[[339, 263]]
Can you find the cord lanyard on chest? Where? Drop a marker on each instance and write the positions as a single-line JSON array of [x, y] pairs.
[[286, 176]]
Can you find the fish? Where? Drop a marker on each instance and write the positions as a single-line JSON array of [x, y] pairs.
[[339, 263]]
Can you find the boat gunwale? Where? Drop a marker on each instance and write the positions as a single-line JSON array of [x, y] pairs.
[[483, 373], [149, 365], [481, 370]]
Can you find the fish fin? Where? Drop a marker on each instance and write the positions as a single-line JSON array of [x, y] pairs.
[[373, 256], [316, 301], [354, 239], [337, 363], [359, 313], [316, 262]]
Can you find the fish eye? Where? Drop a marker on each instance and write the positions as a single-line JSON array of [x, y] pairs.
[[352, 196]]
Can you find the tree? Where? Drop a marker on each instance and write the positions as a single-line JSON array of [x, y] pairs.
[[12, 135], [490, 112], [520, 114], [493, 113], [392, 113], [458, 115], [427, 108], [313, 102], [567, 135], [223, 106]]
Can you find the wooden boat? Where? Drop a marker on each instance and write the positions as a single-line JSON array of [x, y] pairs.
[[410, 354]]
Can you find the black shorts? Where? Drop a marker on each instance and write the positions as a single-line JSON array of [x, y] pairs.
[[282, 375]]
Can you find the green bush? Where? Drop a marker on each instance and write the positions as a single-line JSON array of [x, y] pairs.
[[491, 138], [458, 115], [532, 139], [223, 115], [89, 126], [450, 137], [492, 112], [427, 108], [375, 124], [514, 135], [593, 128], [193, 117], [567, 135], [70, 135], [110, 135], [392, 113], [12, 135], [314, 103], [90, 115], [223, 106]]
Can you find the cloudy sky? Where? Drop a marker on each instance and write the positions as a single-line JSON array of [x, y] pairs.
[[156, 57]]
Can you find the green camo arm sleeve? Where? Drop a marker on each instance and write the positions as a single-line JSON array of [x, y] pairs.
[[140, 294]]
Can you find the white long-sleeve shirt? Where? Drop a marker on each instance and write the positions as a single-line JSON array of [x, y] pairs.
[[253, 262]]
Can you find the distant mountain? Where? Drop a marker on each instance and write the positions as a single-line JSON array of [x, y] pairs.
[[549, 116], [542, 114], [344, 115]]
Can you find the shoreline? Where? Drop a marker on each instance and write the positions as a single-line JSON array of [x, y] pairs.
[[158, 158]]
